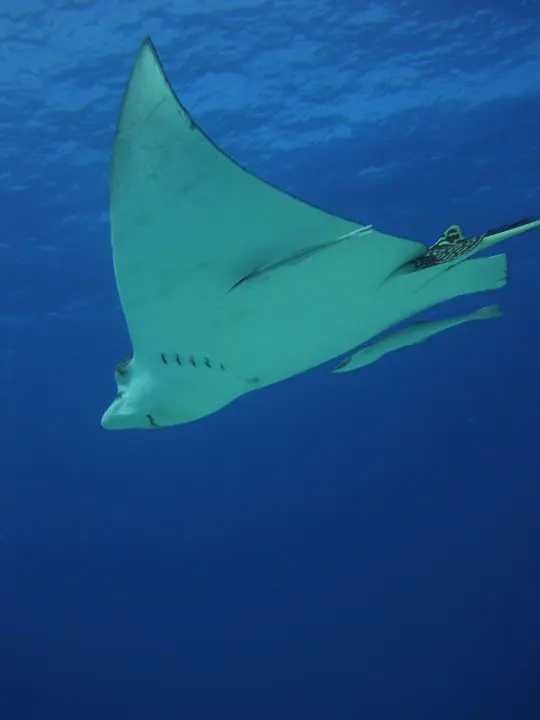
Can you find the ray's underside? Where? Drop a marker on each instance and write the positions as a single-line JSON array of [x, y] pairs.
[[213, 262]]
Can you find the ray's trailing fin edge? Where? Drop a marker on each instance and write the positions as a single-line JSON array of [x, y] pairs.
[[229, 284]]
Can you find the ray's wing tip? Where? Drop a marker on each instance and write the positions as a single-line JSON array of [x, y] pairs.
[[148, 49], [147, 46]]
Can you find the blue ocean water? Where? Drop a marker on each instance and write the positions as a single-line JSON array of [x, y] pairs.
[[358, 546]]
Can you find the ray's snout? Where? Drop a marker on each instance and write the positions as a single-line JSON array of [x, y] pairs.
[[116, 417]]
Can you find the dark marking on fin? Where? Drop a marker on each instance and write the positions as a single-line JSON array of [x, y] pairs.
[[343, 363], [185, 115], [177, 358], [163, 359], [122, 366], [207, 362], [151, 420], [289, 261], [243, 280], [192, 361]]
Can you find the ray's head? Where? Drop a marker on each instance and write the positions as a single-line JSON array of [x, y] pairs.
[[131, 407], [161, 393]]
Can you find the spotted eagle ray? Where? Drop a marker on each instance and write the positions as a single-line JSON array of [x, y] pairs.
[[229, 284]]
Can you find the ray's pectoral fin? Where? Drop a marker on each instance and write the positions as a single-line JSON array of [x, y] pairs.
[[452, 245], [411, 335]]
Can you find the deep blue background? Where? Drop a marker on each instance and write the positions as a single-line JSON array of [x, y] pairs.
[[357, 546]]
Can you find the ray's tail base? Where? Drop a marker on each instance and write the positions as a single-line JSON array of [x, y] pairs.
[[453, 245]]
